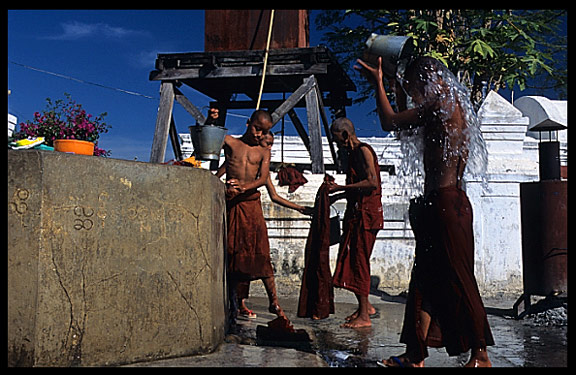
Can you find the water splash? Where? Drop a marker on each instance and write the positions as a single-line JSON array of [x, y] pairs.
[[477, 167], [442, 87], [411, 168]]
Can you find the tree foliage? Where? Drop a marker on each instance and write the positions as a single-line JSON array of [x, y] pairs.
[[485, 49]]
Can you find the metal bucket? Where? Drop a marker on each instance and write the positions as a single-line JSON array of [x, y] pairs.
[[394, 49], [207, 141]]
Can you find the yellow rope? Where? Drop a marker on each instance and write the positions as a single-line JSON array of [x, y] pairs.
[[265, 59]]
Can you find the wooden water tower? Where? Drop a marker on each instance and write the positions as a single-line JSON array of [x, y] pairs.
[[233, 63], [244, 29]]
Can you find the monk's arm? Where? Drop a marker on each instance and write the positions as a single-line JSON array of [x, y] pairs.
[[371, 180], [281, 201], [389, 120], [222, 170]]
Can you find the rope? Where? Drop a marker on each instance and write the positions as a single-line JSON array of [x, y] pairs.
[[265, 58], [82, 81]]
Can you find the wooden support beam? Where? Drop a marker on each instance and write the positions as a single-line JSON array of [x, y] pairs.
[[189, 107], [213, 72], [314, 131], [174, 139], [162, 122], [327, 128], [267, 103], [291, 102]]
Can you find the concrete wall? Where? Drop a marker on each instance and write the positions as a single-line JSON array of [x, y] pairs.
[[497, 224], [112, 261]]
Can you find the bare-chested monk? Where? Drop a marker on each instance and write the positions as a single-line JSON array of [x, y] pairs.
[[247, 168], [444, 307], [266, 141]]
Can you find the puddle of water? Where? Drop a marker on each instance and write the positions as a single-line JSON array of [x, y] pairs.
[[518, 343]]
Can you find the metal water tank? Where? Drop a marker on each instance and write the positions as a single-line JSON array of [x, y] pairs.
[[544, 237]]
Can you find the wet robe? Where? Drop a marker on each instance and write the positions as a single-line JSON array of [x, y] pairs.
[[291, 177], [442, 281], [248, 249], [316, 292], [362, 221]]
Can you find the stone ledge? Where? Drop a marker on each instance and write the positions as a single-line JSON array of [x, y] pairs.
[[112, 261]]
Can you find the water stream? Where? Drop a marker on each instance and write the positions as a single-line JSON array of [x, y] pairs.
[[447, 93]]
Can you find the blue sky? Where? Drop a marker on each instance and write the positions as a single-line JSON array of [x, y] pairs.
[[116, 49]]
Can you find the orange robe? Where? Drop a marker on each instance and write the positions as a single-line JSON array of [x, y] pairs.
[[362, 221], [248, 248], [292, 177]]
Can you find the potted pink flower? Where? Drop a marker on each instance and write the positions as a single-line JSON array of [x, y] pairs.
[[66, 120]]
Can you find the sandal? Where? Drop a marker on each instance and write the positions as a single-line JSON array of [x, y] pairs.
[[399, 361], [247, 314]]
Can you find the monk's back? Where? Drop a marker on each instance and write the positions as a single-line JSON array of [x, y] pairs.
[[445, 151]]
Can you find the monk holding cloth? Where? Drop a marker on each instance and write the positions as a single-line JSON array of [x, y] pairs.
[[363, 219]]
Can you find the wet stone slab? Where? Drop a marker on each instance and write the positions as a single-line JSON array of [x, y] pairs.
[[519, 343]]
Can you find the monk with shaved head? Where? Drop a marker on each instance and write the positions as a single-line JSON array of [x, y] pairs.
[[362, 219], [248, 249]]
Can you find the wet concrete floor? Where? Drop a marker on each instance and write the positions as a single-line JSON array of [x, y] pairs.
[[519, 343]]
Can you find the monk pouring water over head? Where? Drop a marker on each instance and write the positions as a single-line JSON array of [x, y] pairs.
[[444, 307]]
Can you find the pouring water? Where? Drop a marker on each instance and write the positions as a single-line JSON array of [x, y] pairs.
[[456, 143]]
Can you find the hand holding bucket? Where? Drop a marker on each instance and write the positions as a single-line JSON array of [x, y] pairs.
[[208, 139], [394, 50]]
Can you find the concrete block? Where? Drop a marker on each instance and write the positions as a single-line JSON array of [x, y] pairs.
[[112, 261]]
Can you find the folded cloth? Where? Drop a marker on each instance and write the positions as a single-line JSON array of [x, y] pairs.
[[292, 177], [316, 292]]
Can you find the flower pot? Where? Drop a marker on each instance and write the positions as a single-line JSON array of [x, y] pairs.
[[74, 146]]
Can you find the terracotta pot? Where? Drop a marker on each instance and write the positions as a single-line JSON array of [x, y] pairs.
[[74, 146]]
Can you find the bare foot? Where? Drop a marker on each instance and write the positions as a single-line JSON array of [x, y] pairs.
[[371, 311], [401, 361], [479, 358], [276, 309], [478, 363], [358, 322]]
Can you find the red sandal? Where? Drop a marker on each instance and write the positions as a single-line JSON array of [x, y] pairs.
[[247, 314]]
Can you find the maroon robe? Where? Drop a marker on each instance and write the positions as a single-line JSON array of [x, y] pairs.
[[442, 281], [362, 221], [248, 248], [316, 292], [292, 177]]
